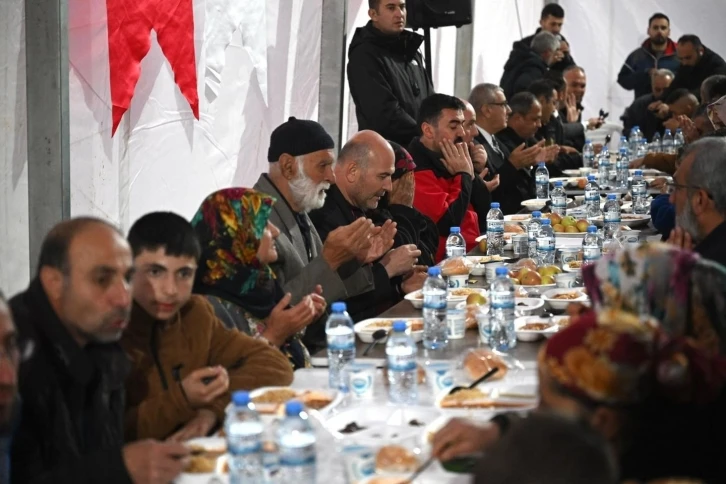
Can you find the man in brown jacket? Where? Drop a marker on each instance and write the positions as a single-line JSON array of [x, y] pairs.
[[185, 362]]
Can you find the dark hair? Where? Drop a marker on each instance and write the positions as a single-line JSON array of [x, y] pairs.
[[374, 4], [54, 250], [677, 95], [690, 39], [542, 88], [432, 106], [552, 10], [521, 103], [657, 16], [557, 80], [167, 230], [556, 450], [2, 296], [715, 88]]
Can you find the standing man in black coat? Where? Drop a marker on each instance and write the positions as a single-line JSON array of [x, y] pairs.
[[529, 64], [551, 20], [72, 385], [386, 73]]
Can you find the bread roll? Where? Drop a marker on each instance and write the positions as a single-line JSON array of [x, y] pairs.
[[394, 458], [456, 266], [479, 361], [513, 228]]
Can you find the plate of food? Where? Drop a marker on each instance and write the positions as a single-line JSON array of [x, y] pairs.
[[478, 398], [527, 305], [382, 464], [573, 266], [270, 401], [534, 328], [366, 328], [454, 297], [627, 219], [207, 460], [517, 217], [559, 299]]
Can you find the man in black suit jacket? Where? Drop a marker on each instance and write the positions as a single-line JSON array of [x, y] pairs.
[[492, 110]]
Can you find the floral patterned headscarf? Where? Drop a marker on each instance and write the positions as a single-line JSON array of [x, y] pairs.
[[616, 359], [683, 292], [230, 224]]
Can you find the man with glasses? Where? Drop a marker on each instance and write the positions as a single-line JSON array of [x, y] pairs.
[[9, 360], [698, 192]]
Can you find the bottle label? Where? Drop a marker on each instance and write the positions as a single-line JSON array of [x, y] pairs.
[[396, 363], [502, 300], [545, 243], [559, 202], [591, 195], [339, 345], [612, 217], [495, 226], [591, 254]]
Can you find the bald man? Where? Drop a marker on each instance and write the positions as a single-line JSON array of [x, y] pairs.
[[362, 177], [72, 388]]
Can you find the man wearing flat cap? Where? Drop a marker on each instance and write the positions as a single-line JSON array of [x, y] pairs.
[[300, 173]]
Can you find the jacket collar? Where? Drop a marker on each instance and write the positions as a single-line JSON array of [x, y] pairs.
[[350, 213], [669, 50], [426, 159], [406, 43], [712, 245], [282, 207]]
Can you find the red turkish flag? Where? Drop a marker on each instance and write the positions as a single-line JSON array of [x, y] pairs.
[[129, 39]]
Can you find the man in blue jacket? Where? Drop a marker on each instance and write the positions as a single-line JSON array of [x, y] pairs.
[[657, 52]]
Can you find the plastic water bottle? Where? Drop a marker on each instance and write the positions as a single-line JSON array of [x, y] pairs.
[[667, 144], [640, 194], [603, 170], [341, 343], [435, 291], [296, 444], [495, 230], [623, 143], [546, 244], [611, 217], [591, 246], [402, 371], [655, 146], [532, 232], [455, 243], [679, 141], [635, 137], [642, 148], [621, 169], [542, 180], [559, 199], [244, 431], [588, 154], [592, 197], [502, 336]]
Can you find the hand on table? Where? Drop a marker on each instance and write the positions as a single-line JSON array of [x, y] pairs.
[[461, 437], [152, 462]]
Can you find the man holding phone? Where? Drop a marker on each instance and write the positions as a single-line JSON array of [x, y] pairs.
[[185, 362]]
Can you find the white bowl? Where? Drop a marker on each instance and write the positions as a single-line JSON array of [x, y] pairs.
[[568, 267], [451, 301], [535, 203], [561, 304], [365, 332], [528, 305], [532, 335]]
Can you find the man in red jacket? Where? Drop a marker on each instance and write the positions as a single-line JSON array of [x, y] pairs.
[[444, 170]]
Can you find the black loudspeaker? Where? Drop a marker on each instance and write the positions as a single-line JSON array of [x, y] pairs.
[[438, 13]]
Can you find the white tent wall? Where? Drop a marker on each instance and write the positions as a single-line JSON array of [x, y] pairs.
[[603, 33]]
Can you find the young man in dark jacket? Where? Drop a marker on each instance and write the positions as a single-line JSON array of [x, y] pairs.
[[657, 52], [72, 386], [551, 20], [386, 73]]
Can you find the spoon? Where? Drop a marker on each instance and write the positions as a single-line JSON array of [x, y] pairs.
[[420, 469], [484, 377], [377, 336]]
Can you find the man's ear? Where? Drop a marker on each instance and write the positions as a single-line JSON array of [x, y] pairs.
[[288, 166], [427, 130], [352, 172], [52, 281]]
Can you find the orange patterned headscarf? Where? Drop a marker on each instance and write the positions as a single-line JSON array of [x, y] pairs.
[[616, 359]]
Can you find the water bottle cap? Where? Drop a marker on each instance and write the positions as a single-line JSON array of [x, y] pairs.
[[536, 214], [624, 138], [638, 172], [240, 398], [591, 178], [592, 229], [623, 149], [678, 130], [293, 407], [558, 184], [338, 307], [495, 205], [541, 164], [399, 326], [501, 271], [546, 221], [612, 196], [455, 230], [434, 271], [588, 142], [667, 131], [636, 127]]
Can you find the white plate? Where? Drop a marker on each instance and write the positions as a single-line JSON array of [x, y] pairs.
[[528, 305], [486, 259], [508, 403], [389, 424], [628, 220], [568, 268], [210, 444], [530, 335], [571, 172], [570, 235], [270, 411], [561, 304], [535, 203], [365, 332], [518, 217], [451, 301]]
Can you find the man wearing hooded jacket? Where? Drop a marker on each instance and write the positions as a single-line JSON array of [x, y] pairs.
[[386, 73]]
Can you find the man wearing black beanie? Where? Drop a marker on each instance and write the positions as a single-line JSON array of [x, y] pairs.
[[300, 173]]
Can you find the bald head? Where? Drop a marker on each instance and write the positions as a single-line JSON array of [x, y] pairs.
[[364, 168]]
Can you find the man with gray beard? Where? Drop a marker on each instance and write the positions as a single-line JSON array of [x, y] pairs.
[[300, 173], [698, 192]]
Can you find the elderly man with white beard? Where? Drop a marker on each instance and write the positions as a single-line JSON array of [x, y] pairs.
[[300, 173]]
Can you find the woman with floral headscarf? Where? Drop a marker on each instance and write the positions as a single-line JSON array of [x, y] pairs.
[[657, 400], [237, 245]]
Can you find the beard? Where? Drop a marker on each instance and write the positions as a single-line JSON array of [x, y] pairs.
[[658, 40], [308, 195], [687, 221]]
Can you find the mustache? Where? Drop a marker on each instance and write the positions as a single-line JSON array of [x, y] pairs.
[[458, 139], [124, 314]]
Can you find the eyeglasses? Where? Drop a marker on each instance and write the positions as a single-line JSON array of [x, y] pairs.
[[503, 104], [16, 352], [673, 187]]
